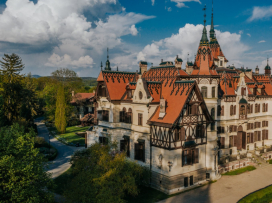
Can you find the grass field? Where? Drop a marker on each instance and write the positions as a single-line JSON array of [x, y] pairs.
[[261, 196], [241, 170], [70, 136]]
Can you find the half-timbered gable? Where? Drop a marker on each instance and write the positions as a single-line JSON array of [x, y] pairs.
[[185, 120]]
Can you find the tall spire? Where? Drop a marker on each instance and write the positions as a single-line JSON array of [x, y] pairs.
[[108, 61], [204, 40], [212, 33]]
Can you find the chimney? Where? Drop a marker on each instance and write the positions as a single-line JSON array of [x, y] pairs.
[[73, 93], [178, 63], [161, 60], [162, 107], [143, 67]]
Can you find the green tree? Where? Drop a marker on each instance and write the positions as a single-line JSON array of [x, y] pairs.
[[60, 115], [101, 174], [22, 168], [11, 66]]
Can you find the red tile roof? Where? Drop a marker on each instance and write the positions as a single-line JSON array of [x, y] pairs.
[[82, 96], [116, 82], [176, 95], [204, 61]]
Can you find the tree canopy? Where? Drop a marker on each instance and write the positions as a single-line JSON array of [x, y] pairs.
[[103, 175], [22, 168]]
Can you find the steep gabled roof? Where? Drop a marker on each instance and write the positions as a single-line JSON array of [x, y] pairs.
[[116, 82], [176, 95]]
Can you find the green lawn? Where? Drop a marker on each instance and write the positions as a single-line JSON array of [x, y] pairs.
[[241, 170], [261, 196], [70, 135]]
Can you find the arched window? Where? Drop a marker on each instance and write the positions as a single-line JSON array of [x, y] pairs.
[[263, 107], [234, 110], [266, 107], [204, 91], [218, 110], [240, 128], [213, 113], [222, 111], [251, 108], [243, 110], [231, 110], [122, 117]]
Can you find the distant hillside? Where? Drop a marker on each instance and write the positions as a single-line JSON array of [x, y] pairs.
[[36, 76], [89, 81]]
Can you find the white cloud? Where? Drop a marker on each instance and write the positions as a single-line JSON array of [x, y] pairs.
[[248, 34], [61, 27], [187, 40], [181, 3], [262, 41], [133, 30], [261, 13], [169, 9], [66, 61], [153, 2], [241, 32]]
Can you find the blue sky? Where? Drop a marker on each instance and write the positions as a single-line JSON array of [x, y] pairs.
[[49, 34]]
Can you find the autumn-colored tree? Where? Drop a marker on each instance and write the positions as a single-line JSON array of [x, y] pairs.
[[102, 174], [60, 114]]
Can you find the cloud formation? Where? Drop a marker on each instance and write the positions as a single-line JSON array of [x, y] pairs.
[[181, 3], [187, 41], [66, 61], [259, 13], [262, 41], [64, 27]]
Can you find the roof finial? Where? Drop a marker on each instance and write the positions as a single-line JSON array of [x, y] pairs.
[[101, 65], [204, 9], [108, 53], [267, 59], [117, 68], [188, 57]]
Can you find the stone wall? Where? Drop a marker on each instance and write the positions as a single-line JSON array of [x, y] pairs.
[[173, 184]]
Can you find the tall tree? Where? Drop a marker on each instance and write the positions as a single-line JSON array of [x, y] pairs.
[[22, 168], [11, 66], [60, 114]]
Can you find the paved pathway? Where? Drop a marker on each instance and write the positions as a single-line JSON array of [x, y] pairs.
[[228, 189], [61, 163]]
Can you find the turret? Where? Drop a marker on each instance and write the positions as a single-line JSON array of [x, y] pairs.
[[257, 70], [178, 62], [143, 66], [267, 68]]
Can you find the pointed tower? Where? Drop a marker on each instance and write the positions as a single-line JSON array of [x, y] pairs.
[[108, 61], [204, 60], [218, 56], [267, 68]]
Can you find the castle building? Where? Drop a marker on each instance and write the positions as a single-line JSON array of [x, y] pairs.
[[180, 123]]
